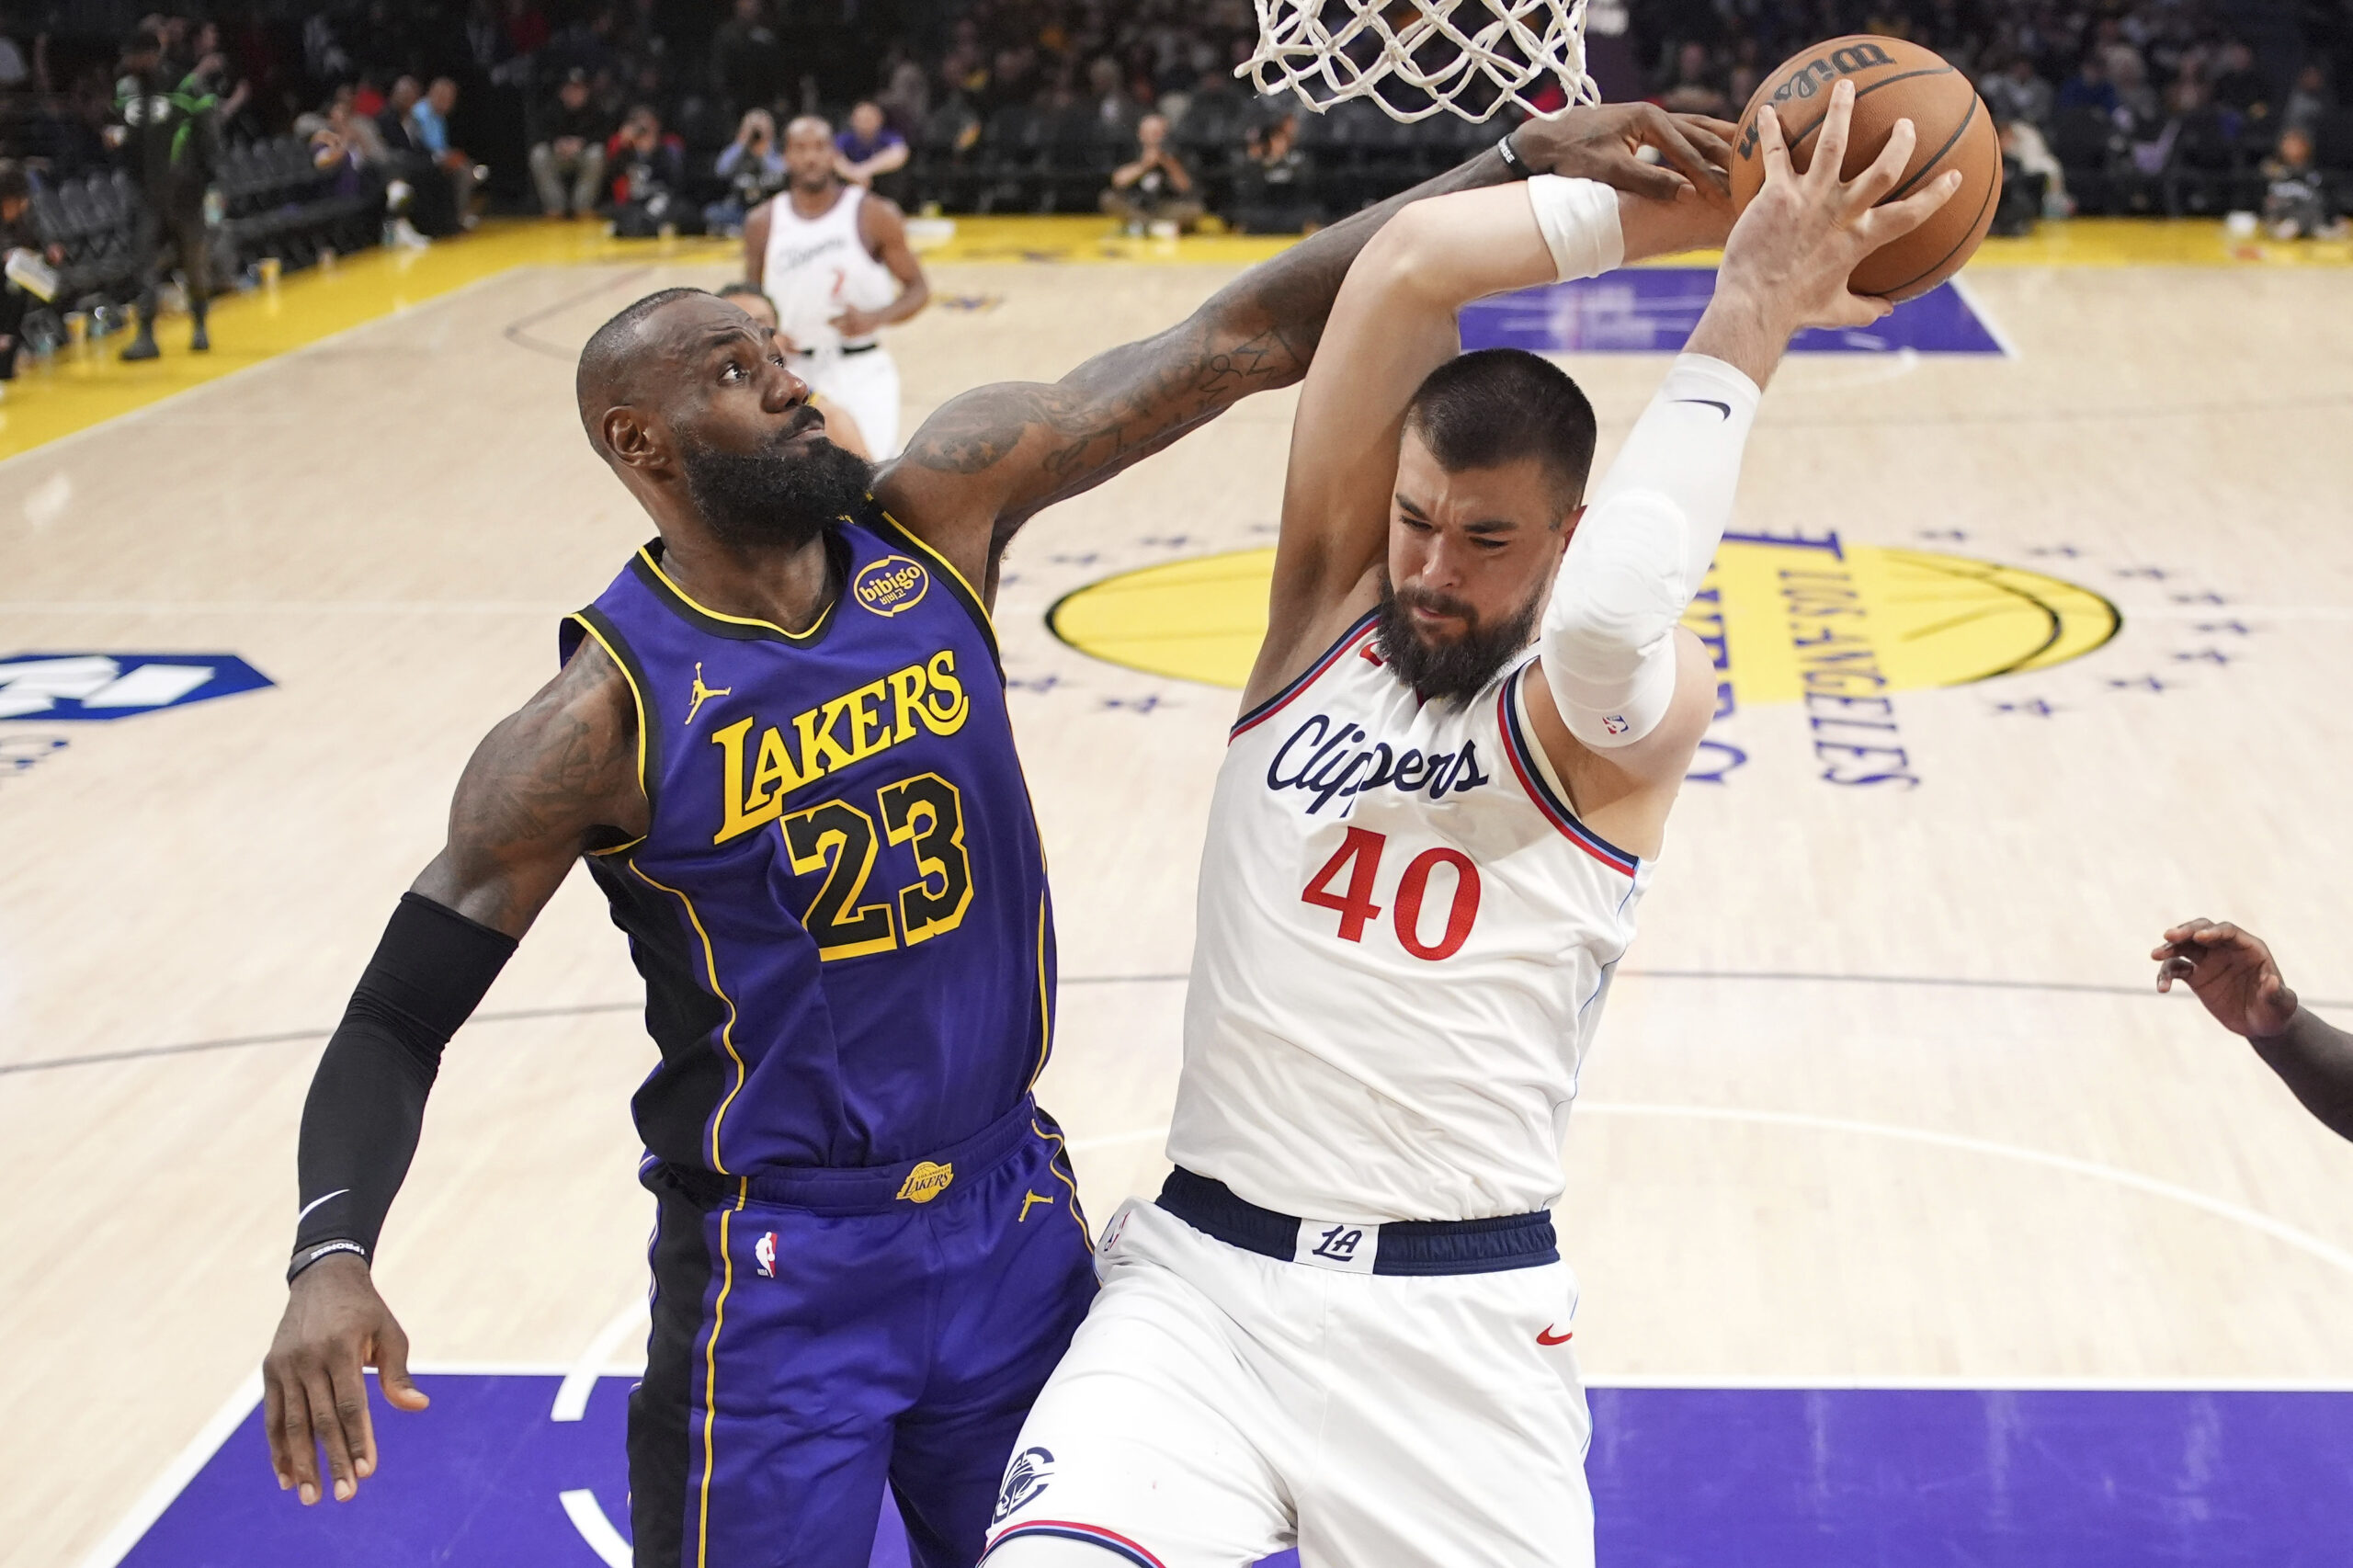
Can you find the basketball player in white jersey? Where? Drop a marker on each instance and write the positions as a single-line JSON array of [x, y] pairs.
[[1345, 1324], [835, 258]]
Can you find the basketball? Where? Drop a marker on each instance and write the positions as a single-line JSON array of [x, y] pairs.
[[1893, 80]]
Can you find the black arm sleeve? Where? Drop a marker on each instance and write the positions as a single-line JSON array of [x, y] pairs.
[[2315, 1062], [367, 1102]]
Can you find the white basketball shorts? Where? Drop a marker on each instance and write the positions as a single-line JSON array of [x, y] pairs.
[[866, 383], [1218, 1406]]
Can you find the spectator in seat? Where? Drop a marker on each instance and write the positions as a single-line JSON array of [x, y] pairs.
[[430, 211], [568, 145], [752, 167], [2089, 86], [748, 64], [2016, 93], [1114, 106], [16, 234], [649, 173], [869, 148], [430, 116], [345, 144], [1695, 91], [2136, 101], [2238, 86], [2309, 101], [2297, 201], [1271, 197], [2024, 150], [1153, 191]]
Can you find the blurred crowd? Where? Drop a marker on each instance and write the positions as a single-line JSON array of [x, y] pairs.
[[2132, 105], [668, 115]]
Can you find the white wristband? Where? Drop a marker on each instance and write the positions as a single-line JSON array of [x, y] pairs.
[[1578, 219]]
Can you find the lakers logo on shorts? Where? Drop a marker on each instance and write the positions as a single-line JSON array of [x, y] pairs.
[[890, 584], [926, 1181]]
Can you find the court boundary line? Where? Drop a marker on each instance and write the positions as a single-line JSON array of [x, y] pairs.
[[165, 1488], [585, 1009]]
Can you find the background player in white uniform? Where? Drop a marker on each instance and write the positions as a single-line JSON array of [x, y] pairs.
[[1345, 1323], [835, 258]]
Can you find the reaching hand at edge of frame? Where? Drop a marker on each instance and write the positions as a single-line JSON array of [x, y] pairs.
[[2232, 972]]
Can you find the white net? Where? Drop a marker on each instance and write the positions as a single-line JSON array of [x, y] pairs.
[[1417, 58]]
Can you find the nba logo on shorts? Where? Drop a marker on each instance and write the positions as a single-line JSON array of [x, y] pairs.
[[1615, 724], [764, 1253]]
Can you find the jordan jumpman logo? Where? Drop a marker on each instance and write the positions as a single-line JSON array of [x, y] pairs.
[[702, 692]]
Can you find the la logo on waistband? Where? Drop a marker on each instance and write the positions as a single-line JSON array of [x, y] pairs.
[[926, 1181]]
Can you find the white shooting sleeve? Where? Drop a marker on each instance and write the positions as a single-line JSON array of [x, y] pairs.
[[1642, 552], [1578, 219]]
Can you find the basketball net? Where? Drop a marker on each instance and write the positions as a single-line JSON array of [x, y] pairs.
[[1415, 58]]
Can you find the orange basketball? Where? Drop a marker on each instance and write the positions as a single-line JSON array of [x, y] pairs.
[[1893, 80]]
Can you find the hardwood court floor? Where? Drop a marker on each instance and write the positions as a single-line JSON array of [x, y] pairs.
[[1883, 1092]]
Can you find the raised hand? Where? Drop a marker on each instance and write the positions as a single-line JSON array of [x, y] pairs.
[[1603, 144], [2232, 972], [1803, 234], [314, 1391]]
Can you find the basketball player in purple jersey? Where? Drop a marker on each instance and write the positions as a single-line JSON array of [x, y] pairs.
[[780, 741]]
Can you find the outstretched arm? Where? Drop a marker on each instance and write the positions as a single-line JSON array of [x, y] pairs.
[[1394, 324], [554, 779], [1619, 688], [990, 460], [2233, 973]]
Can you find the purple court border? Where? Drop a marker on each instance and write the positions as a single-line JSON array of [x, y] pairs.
[[1652, 310], [2038, 1475]]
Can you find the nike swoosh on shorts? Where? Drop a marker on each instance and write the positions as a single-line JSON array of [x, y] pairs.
[[1722, 408]]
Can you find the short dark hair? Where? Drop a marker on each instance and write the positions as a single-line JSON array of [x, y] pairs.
[[1494, 406], [142, 41], [13, 185], [605, 360]]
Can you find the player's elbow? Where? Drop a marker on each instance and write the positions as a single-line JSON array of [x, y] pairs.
[[1407, 259]]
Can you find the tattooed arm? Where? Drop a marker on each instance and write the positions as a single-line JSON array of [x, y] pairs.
[[555, 778], [549, 781], [992, 458]]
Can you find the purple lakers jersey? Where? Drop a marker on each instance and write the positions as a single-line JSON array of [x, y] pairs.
[[840, 908]]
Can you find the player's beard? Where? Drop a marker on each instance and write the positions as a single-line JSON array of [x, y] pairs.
[[779, 497], [1462, 666]]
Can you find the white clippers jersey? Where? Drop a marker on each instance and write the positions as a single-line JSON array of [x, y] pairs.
[[1405, 937], [816, 266]]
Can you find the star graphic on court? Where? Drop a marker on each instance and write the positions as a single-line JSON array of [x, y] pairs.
[[2208, 598], [2202, 655], [2236, 628], [1172, 541], [1040, 684], [2148, 573], [1144, 704], [2067, 551], [1950, 535], [2035, 708], [1089, 558], [2138, 683]]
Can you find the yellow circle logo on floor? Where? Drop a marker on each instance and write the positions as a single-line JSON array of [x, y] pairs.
[[1783, 615]]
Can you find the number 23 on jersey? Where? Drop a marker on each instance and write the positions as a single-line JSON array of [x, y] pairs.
[[1350, 881]]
